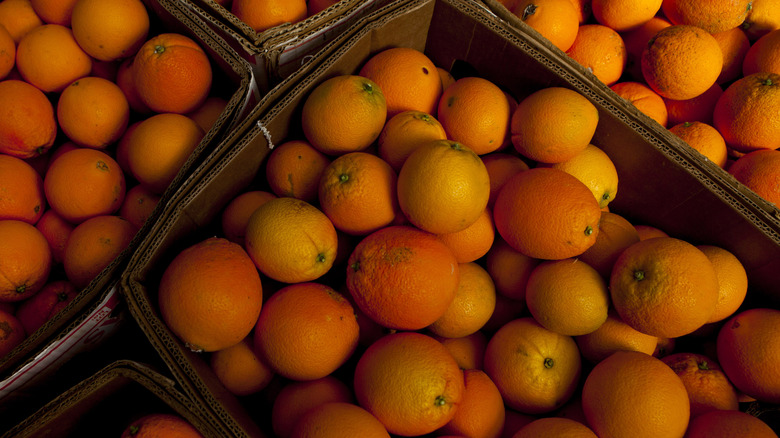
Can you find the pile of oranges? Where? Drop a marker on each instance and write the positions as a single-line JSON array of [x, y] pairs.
[[432, 256]]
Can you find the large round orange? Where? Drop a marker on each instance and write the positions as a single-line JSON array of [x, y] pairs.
[[708, 387], [18, 17], [109, 31], [240, 369], [410, 382], [644, 99], [535, 369], [265, 14], [555, 426], [338, 419], [294, 169], [623, 16], [25, 260], [11, 332], [762, 55], [705, 139], [402, 277], [758, 171], [22, 190], [601, 50], [711, 15], [614, 335], [634, 394], [741, 113], [474, 303], [295, 398], [7, 53], [481, 413], [763, 17], [50, 58], [28, 125], [728, 423], [158, 424], [404, 132], [93, 112], [210, 295], [556, 20], [615, 235]]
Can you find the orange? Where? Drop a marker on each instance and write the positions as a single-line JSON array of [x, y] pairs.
[[536, 370], [664, 287], [237, 212], [555, 20], [601, 50], [472, 306], [674, 54], [762, 55], [446, 78], [443, 187], [664, 347], [345, 113], [159, 146], [507, 309], [615, 235], [93, 245], [634, 394], [567, 297], [210, 295], [515, 421], [593, 167], [707, 386], [290, 240], [83, 183], [711, 15], [728, 423], [93, 112], [54, 11], [28, 125], [109, 31], [357, 191], [553, 124], [404, 132], [468, 351], [635, 41], [410, 382], [474, 241], [644, 99], [623, 16], [295, 398], [614, 335], [481, 413], [35, 311], [209, 112], [126, 81], [748, 351], [172, 73], [697, 109], [408, 79], [475, 112], [501, 166], [22, 190], [159, 424], [240, 369], [509, 268], [763, 17], [294, 169], [25, 260], [402, 277], [735, 45], [542, 229], [705, 139], [11, 332], [50, 58], [18, 17], [741, 113], [554, 426], [338, 419], [138, 205], [7, 53], [758, 171], [56, 230], [265, 14]]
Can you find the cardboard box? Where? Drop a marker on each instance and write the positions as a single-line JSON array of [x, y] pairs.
[[661, 183]]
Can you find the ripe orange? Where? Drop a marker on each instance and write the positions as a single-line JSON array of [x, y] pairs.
[[762, 55], [741, 113], [481, 413], [209, 112], [644, 99], [210, 295], [615, 235], [708, 388], [109, 31], [705, 139], [507, 309], [472, 306], [624, 16], [553, 124], [404, 132], [501, 166], [635, 41], [410, 382], [601, 50], [338, 419], [295, 398], [446, 78], [634, 394], [614, 335], [11, 332], [35, 311], [555, 20], [126, 81], [763, 17], [93, 112], [555, 426], [54, 11], [22, 190], [468, 351], [139, 204], [758, 170], [265, 14], [475, 241], [236, 214], [728, 423], [18, 17], [28, 125], [711, 15], [509, 269], [7, 53], [294, 169], [56, 230], [698, 109], [25, 260], [345, 113], [593, 167], [50, 58], [735, 45], [159, 424], [240, 369]]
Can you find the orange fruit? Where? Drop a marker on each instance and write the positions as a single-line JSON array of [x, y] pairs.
[[56, 230], [697, 109], [475, 112], [707, 386], [410, 382], [408, 79], [172, 73], [758, 170], [446, 78], [338, 419], [265, 14], [11, 332], [507, 309], [295, 398], [624, 16], [109, 31], [28, 125], [125, 79], [159, 424], [22, 190], [209, 112], [614, 335], [481, 413], [748, 350], [664, 287], [404, 132], [615, 235], [741, 113], [728, 423], [345, 113], [54, 11], [25, 260], [601, 50], [93, 112], [18, 17], [468, 351], [553, 124], [443, 187], [294, 169], [357, 191], [240, 369], [593, 167], [705, 139], [675, 51], [735, 45], [50, 58], [711, 15], [84, 183], [634, 394], [763, 17], [567, 296], [474, 241], [35, 311], [139, 204], [93, 245], [402, 277], [554, 426], [210, 295], [237, 212], [472, 306], [509, 268], [762, 55], [501, 166], [536, 370], [542, 229], [7, 53], [644, 99], [635, 41], [555, 20], [290, 240]]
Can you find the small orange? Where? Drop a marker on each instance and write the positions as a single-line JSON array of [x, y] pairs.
[[644, 99], [209, 112], [35, 311], [762, 55], [22, 190], [555, 426], [635, 41], [265, 14], [763, 17], [468, 351], [741, 113], [294, 169], [25, 260], [11, 332], [56, 230], [615, 235], [509, 269], [404, 132], [501, 166], [601, 50], [93, 112], [236, 214], [735, 45], [126, 81], [54, 11], [758, 171], [624, 16], [109, 31], [28, 125], [711, 15], [475, 241], [446, 78], [481, 413], [507, 309], [158, 424], [728, 423], [593, 167], [295, 398], [705, 139], [50, 58], [240, 369], [472, 306], [18, 17], [7, 53], [707, 386], [697, 109], [138, 205], [614, 335], [338, 419], [555, 20]]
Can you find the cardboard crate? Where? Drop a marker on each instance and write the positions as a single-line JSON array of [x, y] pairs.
[[661, 183]]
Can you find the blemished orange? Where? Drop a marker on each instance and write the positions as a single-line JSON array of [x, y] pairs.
[[12, 332], [553, 124], [541, 229], [762, 55], [616, 234], [748, 351], [338, 419], [476, 112], [93, 112], [404, 132], [698, 109], [139, 204], [210, 295], [172, 73], [207, 114], [473, 242], [635, 41], [644, 99], [294, 169], [555, 426], [536, 370], [623, 16], [741, 113], [93, 245], [601, 50], [501, 166], [735, 45], [28, 125], [443, 187], [265, 14], [345, 113], [35, 311], [758, 171], [712, 16], [594, 168], [408, 79], [728, 423], [664, 287], [634, 394], [56, 231], [295, 398], [237, 212], [567, 296], [290, 240], [410, 382], [126, 81], [159, 424], [109, 31], [7, 53], [763, 17], [50, 58], [705, 139], [159, 146], [481, 412], [240, 369], [402, 277], [18, 17], [472, 306], [673, 54], [22, 189], [54, 11], [468, 351], [555, 20], [614, 335], [509, 269], [25, 259], [357, 191], [708, 387]]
